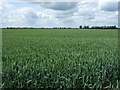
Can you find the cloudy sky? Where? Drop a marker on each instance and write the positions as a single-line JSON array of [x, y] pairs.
[[58, 14]]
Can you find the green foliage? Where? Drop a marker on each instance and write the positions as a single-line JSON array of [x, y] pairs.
[[60, 58]]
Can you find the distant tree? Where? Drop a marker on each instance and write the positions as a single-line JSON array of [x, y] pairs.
[[106, 27], [55, 27], [114, 27], [86, 27], [10, 28], [80, 27], [69, 27]]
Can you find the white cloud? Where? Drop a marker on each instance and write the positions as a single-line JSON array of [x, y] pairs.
[[26, 16], [106, 18]]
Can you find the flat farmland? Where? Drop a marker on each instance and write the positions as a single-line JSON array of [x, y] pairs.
[[60, 58]]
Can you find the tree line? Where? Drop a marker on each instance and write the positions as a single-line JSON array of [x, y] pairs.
[[98, 27], [80, 27]]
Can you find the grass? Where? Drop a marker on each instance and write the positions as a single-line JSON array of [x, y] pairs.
[[42, 58]]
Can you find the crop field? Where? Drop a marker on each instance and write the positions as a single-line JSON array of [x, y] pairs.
[[60, 58]]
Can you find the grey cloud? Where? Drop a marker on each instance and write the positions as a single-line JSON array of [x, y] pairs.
[[119, 7], [109, 6], [31, 17], [62, 9], [119, 14], [63, 6], [65, 14], [88, 15], [69, 21]]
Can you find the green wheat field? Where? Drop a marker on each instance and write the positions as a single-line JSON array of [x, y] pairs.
[[60, 58]]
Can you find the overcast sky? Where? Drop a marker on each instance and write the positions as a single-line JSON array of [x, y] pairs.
[[58, 14]]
